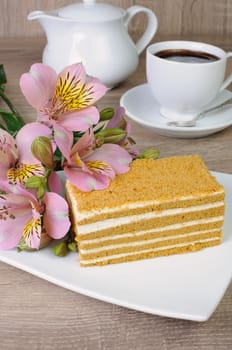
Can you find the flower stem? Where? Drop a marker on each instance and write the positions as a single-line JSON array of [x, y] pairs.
[[11, 107]]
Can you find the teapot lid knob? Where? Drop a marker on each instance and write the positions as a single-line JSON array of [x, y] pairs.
[[90, 11]]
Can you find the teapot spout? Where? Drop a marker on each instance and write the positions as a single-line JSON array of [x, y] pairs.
[[48, 21], [37, 15]]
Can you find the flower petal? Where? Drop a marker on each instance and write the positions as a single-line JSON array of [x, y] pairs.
[[10, 235], [15, 211], [23, 171], [85, 181], [8, 153], [63, 139], [85, 145], [100, 167], [69, 88], [3, 169], [38, 85], [96, 90], [74, 73], [80, 120], [32, 232], [73, 91], [114, 155], [21, 193], [54, 183], [24, 140], [56, 216], [116, 120]]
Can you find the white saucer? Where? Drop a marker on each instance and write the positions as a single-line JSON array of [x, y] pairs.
[[141, 107]]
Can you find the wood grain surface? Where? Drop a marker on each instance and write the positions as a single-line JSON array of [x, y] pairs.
[[176, 17], [37, 315]]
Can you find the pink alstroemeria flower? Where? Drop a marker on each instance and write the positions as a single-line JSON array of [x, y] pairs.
[[119, 121], [65, 101], [17, 163], [90, 168], [21, 217]]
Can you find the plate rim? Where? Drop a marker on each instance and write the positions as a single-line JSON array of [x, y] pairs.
[[185, 131]]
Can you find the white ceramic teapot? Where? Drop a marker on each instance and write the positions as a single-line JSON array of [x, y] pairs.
[[95, 34]]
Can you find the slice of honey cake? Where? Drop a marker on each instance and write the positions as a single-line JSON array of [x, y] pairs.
[[160, 207]]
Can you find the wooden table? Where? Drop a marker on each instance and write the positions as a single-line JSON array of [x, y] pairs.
[[35, 314]]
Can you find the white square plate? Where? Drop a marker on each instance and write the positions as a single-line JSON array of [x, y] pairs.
[[188, 286]]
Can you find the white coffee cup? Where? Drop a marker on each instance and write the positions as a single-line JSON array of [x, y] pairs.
[[183, 89]]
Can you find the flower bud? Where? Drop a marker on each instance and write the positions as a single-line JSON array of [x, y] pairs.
[[111, 135], [150, 153], [72, 246], [60, 249], [41, 149], [106, 114]]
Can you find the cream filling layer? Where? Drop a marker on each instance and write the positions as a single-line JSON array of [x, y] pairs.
[[147, 241], [84, 214], [110, 223], [153, 230], [122, 255]]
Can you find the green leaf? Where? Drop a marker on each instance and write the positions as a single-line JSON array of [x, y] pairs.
[[3, 79], [38, 183], [76, 136], [35, 182], [40, 192], [13, 125], [58, 159]]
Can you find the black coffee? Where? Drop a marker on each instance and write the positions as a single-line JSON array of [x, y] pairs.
[[186, 56]]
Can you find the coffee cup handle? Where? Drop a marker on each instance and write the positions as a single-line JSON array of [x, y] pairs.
[[150, 30], [228, 80]]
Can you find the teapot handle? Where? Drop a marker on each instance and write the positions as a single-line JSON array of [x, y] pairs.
[[150, 30]]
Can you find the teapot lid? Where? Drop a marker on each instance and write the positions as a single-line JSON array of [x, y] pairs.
[[90, 11]]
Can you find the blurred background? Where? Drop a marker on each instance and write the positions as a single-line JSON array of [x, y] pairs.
[[176, 17]]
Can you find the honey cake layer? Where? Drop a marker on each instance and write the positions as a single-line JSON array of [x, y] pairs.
[[142, 207], [137, 223], [130, 237], [120, 258], [166, 179], [112, 222], [118, 248]]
